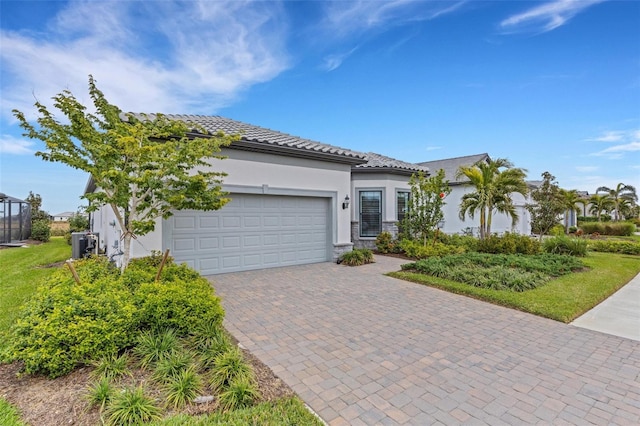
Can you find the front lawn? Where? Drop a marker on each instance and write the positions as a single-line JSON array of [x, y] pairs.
[[22, 269], [562, 299]]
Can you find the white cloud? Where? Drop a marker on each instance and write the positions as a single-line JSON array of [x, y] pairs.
[[610, 136], [352, 17], [331, 62], [587, 169], [433, 148], [625, 141], [546, 17], [11, 145], [195, 62]]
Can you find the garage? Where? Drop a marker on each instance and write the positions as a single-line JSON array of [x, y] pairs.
[[252, 231]]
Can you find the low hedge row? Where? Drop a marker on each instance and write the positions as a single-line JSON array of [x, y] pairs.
[[609, 228], [67, 324]]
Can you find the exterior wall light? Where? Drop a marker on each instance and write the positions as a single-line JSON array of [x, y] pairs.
[[345, 203]]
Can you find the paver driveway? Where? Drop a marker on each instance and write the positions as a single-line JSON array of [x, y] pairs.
[[362, 348]]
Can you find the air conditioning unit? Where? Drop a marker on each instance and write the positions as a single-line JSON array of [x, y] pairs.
[[84, 244]]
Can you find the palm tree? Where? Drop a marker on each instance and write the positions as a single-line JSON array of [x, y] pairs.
[[600, 203], [493, 189], [618, 195], [569, 199]]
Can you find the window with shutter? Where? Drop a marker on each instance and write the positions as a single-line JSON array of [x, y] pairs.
[[370, 213]]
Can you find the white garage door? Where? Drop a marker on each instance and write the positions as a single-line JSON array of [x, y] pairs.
[[252, 232]]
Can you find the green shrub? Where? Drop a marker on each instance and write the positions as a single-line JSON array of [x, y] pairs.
[[172, 365], [111, 366], [357, 257], [41, 230], [100, 393], [468, 242], [509, 243], [603, 218], [557, 230], [181, 300], [565, 245], [230, 366], [240, 393], [416, 250], [609, 228], [131, 407], [385, 243], [68, 324], [612, 246], [573, 229], [183, 387], [155, 345], [498, 272]]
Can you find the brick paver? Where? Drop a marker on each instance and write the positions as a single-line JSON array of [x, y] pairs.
[[363, 348]]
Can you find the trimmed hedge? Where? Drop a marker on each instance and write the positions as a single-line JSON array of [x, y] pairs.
[[416, 250], [609, 228], [67, 324], [509, 244], [612, 246]]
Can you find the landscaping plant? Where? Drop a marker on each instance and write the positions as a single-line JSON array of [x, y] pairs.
[[357, 257]]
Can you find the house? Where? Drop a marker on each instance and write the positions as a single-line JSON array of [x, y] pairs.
[[500, 224], [293, 201], [63, 217]]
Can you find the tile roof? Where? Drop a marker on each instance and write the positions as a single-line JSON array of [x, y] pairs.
[[264, 137], [376, 162], [451, 165]]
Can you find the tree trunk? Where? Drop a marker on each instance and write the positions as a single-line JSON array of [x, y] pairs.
[[489, 217], [127, 251]]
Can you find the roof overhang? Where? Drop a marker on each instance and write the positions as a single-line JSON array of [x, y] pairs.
[[387, 170]]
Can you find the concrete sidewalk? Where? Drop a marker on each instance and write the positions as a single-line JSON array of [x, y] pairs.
[[618, 315]]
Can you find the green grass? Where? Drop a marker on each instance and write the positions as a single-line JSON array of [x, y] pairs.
[[9, 415], [562, 299], [290, 411], [22, 271]]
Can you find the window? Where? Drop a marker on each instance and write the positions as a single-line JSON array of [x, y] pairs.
[[370, 213], [402, 204]]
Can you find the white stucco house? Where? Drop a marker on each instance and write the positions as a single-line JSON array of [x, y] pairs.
[[501, 223], [62, 217], [294, 201]]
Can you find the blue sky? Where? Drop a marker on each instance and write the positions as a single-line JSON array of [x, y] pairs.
[[551, 85]]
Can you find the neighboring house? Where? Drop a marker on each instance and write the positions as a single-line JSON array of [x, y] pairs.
[[62, 217], [501, 223], [293, 201]]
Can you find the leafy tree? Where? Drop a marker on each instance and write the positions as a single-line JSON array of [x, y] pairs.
[[600, 203], [570, 199], [548, 206], [142, 168], [40, 221], [494, 182], [621, 196], [35, 201], [425, 204]]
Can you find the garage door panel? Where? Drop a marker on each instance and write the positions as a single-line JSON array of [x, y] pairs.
[[209, 222], [184, 222], [184, 244], [252, 232], [209, 243], [252, 241]]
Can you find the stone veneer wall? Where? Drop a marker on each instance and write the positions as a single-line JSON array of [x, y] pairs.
[[340, 249], [370, 243]]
